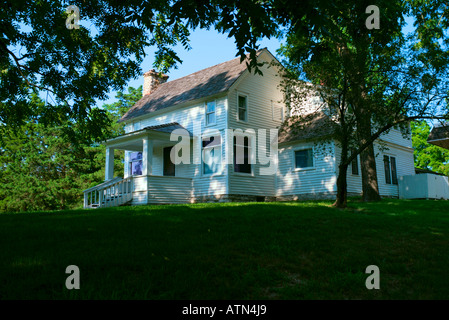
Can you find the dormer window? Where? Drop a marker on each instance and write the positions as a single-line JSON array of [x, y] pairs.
[[210, 113]]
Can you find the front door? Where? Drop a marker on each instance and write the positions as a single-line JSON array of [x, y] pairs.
[[169, 167]]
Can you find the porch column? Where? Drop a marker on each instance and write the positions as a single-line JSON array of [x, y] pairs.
[[126, 172], [109, 169], [147, 156]]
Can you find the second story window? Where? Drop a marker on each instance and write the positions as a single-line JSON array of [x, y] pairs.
[[243, 108], [210, 113]]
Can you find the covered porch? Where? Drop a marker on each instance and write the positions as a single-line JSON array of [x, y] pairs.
[[150, 175]]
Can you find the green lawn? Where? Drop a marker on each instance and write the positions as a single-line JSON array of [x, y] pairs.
[[295, 250]]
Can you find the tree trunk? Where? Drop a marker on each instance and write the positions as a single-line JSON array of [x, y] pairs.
[[370, 189], [370, 186], [342, 187]]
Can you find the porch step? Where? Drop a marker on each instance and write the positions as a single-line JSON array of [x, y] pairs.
[[115, 193]]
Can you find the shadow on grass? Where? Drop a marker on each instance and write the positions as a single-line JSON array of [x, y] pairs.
[[291, 250]]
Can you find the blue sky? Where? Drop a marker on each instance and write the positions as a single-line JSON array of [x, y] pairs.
[[208, 48]]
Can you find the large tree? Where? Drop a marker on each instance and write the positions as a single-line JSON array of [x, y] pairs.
[[428, 156], [42, 169], [74, 66], [369, 80]]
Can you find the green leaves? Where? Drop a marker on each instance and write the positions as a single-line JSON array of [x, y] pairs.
[[76, 67], [428, 156], [46, 167]]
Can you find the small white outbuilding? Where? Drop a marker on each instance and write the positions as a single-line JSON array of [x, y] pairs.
[[424, 186]]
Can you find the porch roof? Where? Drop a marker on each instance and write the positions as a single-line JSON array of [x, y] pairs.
[[159, 133], [439, 136]]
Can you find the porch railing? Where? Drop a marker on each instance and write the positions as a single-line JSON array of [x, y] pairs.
[[111, 193]]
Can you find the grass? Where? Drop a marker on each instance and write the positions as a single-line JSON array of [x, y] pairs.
[[296, 250]]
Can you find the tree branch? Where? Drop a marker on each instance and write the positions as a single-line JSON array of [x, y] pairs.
[[19, 67]]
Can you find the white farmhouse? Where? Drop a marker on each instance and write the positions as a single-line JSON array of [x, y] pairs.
[[226, 119]]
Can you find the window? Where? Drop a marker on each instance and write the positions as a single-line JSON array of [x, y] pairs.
[[391, 176], [243, 108], [355, 165], [211, 154], [304, 158], [135, 163], [394, 175], [242, 154], [210, 113]]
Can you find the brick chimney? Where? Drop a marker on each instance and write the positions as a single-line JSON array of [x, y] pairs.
[[151, 79]]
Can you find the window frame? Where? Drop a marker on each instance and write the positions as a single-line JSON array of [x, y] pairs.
[[391, 175], [251, 152], [130, 163], [394, 173], [303, 148], [168, 162], [240, 94], [220, 147], [207, 124]]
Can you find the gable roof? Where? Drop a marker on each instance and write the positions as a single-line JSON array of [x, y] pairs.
[[201, 84], [439, 136], [164, 128], [314, 126]]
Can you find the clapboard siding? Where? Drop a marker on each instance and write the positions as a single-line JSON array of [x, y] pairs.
[[139, 197], [263, 93], [320, 179], [139, 183], [404, 166], [252, 185], [210, 185], [169, 189], [396, 137], [140, 193], [193, 119]]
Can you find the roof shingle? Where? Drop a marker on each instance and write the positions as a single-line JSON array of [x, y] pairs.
[[314, 126], [439, 136], [203, 83], [167, 127]]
